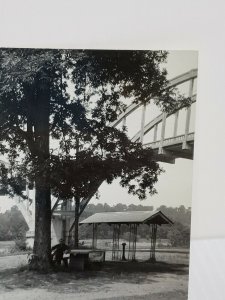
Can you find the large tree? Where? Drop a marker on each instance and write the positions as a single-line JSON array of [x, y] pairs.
[[56, 107]]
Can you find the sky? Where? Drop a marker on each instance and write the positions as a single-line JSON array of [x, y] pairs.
[[174, 186]]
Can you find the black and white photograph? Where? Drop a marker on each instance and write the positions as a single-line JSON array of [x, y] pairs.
[[96, 165]]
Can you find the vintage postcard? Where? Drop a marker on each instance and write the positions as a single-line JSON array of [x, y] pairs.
[[96, 159]]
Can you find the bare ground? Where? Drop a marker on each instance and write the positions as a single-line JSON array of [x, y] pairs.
[[113, 280]]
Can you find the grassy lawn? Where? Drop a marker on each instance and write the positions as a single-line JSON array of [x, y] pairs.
[[5, 246]]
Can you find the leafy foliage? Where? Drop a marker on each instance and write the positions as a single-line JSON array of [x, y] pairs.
[[86, 91]]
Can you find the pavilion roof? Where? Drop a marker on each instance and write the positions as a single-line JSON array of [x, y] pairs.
[[128, 217]]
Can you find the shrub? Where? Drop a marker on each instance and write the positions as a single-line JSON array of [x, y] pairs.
[[20, 243]]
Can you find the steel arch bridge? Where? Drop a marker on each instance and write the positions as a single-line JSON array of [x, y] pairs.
[[166, 148]]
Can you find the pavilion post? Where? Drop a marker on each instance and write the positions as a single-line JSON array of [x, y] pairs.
[[153, 229], [64, 223], [64, 229], [129, 245], [132, 242], [76, 223], [94, 235], [116, 241]]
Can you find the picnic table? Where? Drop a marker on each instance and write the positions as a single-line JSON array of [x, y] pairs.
[[80, 258]]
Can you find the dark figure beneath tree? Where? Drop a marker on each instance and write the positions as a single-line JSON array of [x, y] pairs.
[[58, 251]]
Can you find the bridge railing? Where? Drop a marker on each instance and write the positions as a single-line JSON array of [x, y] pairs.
[[175, 82], [161, 119]]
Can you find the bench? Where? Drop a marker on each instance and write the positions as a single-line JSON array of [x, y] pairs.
[[79, 258]]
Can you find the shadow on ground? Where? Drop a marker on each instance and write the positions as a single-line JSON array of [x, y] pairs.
[[178, 295], [97, 276]]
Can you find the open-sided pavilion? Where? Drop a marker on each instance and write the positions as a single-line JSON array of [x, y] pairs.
[[132, 219]]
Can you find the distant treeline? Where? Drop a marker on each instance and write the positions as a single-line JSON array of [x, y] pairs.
[[13, 226], [178, 235]]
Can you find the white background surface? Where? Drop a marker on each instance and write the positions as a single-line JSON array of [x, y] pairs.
[[125, 24]]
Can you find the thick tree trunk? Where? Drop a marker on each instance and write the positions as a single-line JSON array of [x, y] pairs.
[[42, 240], [76, 224]]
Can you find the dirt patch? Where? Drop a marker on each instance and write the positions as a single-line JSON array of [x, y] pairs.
[[113, 280]]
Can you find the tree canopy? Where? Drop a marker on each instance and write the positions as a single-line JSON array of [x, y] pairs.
[[88, 89]]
